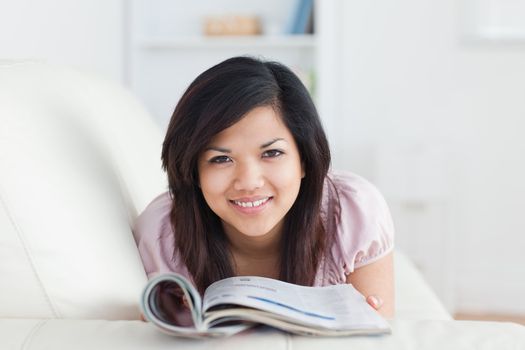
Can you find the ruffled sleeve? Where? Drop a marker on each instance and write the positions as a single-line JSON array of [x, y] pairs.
[[364, 231], [155, 239]]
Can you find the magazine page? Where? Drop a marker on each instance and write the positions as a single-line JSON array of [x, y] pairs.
[[285, 323], [337, 307], [160, 304]]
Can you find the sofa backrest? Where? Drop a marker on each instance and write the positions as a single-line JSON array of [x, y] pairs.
[[79, 159]]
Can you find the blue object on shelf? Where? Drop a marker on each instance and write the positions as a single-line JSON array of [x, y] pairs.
[[301, 17]]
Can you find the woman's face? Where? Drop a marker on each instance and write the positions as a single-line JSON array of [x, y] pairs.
[[250, 174]]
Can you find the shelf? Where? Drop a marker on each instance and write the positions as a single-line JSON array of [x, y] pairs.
[[202, 42], [168, 48]]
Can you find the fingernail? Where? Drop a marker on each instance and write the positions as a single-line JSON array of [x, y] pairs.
[[379, 302], [376, 301]]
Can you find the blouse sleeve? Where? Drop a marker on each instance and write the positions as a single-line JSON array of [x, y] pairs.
[[364, 231], [154, 237]]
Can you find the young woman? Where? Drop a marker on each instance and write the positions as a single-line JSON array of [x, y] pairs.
[[250, 191]]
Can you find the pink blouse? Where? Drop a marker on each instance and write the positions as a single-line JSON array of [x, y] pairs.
[[364, 231]]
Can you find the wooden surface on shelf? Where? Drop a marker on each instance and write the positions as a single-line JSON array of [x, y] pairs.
[[229, 41]]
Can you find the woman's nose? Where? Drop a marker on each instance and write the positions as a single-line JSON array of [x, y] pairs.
[[248, 177]]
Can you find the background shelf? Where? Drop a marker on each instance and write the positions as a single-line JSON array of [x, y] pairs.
[[199, 42]]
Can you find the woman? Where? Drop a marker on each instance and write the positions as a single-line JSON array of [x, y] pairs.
[[250, 193]]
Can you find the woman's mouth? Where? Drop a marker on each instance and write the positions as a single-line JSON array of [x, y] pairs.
[[251, 206]]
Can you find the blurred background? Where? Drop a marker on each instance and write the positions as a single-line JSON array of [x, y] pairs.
[[424, 98]]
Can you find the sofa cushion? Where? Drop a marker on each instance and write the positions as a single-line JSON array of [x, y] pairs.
[[79, 158]]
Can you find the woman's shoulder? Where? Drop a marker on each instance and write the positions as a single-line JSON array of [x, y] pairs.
[[154, 237], [359, 219], [155, 217], [349, 192], [350, 184], [161, 203]]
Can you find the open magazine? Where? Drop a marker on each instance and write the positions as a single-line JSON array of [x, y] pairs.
[[234, 304]]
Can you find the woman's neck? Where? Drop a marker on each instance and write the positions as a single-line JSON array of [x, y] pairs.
[[262, 265], [260, 247], [255, 256]]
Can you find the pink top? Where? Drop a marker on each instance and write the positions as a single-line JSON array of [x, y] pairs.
[[363, 233]]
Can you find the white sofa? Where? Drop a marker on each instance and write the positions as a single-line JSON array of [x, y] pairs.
[[79, 159]]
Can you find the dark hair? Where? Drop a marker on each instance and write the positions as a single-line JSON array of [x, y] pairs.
[[214, 101]]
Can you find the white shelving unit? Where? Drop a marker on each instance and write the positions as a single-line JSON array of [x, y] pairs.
[[166, 48], [198, 42]]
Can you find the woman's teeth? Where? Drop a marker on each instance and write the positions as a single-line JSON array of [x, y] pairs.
[[252, 204]]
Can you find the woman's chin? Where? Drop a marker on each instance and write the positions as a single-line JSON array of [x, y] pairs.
[[255, 233], [262, 230]]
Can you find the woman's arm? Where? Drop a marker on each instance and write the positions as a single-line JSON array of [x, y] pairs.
[[376, 280]]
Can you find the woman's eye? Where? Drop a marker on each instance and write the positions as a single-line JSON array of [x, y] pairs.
[[220, 159], [272, 153]]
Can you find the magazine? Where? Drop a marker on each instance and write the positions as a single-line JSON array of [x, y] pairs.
[[234, 304]]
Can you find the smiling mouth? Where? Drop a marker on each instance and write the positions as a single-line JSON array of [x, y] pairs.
[[253, 204]]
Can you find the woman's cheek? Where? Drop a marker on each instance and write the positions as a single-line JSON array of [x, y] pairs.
[[213, 181], [286, 174]]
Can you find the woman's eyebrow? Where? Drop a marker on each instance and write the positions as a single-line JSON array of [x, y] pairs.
[[218, 149], [226, 150], [269, 143]]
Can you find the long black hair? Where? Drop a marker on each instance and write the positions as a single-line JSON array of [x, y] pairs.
[[214, 101]]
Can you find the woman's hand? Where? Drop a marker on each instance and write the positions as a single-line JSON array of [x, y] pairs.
[[184, 303]]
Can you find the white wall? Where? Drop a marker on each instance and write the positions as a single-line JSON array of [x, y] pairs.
[[419, 100], [84, 34]]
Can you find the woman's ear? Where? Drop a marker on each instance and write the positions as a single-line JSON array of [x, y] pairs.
[[303, 174]]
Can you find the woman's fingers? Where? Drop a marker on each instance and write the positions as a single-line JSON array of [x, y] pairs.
[[185, 302], [375, 301]]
